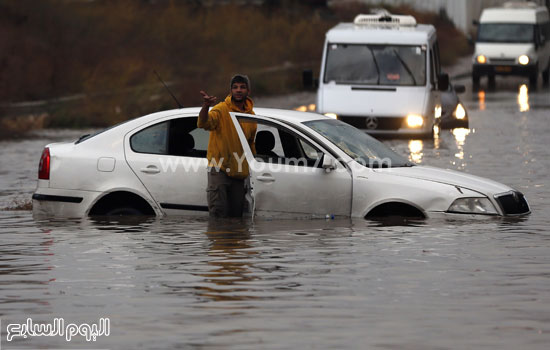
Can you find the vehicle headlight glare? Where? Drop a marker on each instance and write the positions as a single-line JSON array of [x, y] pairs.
[[332, 115], [438, 111], [481, 59], [415, 121], [523, 60], [460, 112], [473, 206]]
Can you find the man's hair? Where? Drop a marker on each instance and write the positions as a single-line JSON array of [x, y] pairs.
[[240, 78]]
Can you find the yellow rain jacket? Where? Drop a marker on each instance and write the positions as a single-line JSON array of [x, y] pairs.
[[224, 147]]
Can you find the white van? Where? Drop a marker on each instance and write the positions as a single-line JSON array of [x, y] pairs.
[[382, 74], [512, 40]]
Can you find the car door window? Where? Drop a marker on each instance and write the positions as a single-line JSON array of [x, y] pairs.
[[175, 137], [153, 140], [277, 144], [186, 139]]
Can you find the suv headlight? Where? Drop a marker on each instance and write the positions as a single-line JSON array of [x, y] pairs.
[[473, 206]]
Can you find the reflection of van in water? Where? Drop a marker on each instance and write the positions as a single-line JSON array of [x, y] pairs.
[[513, 40], [381, 74]]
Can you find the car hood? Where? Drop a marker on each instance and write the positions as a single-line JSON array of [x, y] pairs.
[[364, 101], [503, 50], [450, 177]]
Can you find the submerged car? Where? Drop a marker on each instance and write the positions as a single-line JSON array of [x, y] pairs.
[[306, 165]]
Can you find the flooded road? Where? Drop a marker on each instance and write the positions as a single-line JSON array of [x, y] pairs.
[[191, 283]]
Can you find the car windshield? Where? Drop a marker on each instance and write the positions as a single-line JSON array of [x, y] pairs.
[[355, 143], [376, 64], [506, 33]]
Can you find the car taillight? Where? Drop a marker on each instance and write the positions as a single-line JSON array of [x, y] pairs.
[[44, 166]]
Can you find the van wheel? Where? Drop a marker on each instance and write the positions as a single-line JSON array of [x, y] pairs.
[[491, 81], [533, 79], [546, 75], [475, 79]]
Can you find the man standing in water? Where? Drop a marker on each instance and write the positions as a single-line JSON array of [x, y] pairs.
[[227, 167]]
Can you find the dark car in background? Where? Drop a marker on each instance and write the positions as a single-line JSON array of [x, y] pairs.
[[453, 112]]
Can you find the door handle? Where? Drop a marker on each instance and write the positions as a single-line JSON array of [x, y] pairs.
[[266, 178], [150, 169]]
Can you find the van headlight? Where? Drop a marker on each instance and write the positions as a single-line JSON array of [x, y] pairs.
[[415, 121], [523, 60], [473, 206], [460, 112]]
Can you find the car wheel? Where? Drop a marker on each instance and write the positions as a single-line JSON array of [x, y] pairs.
[[123, 211]]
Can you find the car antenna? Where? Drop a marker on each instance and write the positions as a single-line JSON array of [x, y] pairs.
[[170, 92]]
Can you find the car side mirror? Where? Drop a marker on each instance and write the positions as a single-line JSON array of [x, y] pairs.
[[329, 163], [459, 88], [443, 82]]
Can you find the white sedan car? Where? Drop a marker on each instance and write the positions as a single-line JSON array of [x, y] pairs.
[[306, 165]]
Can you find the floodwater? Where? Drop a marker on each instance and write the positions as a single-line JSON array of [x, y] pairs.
[[190, 283]]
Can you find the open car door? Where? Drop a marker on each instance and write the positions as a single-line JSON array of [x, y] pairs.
[[292, 175]]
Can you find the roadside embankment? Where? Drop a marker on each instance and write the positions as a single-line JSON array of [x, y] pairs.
[[100, 56]]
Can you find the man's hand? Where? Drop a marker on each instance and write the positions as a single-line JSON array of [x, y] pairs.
[[207, 99]]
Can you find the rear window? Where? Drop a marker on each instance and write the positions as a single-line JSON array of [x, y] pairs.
[[89, 136]]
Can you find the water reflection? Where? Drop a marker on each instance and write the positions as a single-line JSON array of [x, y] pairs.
[[231, 249], [25, 268], [481, 99], [416, 148], [460, 135], [523, 98], [437, 137]]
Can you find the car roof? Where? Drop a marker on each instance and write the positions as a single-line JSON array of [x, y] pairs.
[[513, 15], [282, 114], [354, 34]]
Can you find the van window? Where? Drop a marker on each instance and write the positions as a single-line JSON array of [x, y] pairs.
[[376, 64], [506, 33]]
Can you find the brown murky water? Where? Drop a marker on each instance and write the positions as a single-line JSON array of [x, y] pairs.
[[191, 283]]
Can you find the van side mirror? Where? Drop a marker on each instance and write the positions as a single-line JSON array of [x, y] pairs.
[[329, 163], [475, 22], [443, 82], [459, 88], [308, 81]]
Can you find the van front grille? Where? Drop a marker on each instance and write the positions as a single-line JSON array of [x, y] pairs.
[[379, 123], [513, 203], [503, 61]]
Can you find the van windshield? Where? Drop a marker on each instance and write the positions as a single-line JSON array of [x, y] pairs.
[[376, 64], [506, 33]]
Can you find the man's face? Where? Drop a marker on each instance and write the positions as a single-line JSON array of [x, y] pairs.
[[239, 91]]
